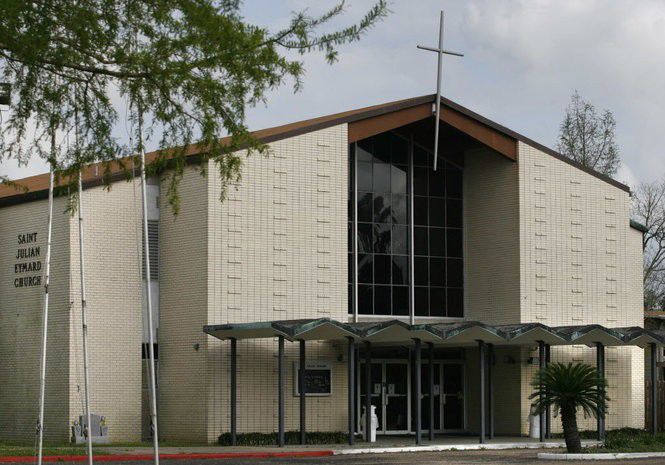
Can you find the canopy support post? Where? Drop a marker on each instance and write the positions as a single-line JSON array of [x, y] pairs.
[[368, 390], [301, 390], [418, 389], [350, 389], [234, 391], [280, 391], [430, 389], [548, 412], [490, 391], [600, 365], [654, 388], [541, 416], [481, 366]]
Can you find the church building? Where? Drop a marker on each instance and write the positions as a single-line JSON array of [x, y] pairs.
[[342, 265]]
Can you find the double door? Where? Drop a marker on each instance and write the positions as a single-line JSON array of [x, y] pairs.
[[391, 388]]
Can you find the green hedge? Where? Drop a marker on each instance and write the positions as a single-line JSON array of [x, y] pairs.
[[291, 437]]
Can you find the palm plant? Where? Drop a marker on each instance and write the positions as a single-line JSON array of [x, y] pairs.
[[568, 388]]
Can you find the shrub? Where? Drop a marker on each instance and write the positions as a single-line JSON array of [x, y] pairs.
[[290, 437]]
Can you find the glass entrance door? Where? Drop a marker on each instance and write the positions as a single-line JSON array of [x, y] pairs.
[[396, 398], [453, 396], [390, 395]]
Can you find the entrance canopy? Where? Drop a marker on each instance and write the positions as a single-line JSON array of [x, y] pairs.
[[450, 334]]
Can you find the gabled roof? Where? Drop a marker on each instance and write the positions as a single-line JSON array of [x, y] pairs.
[[362, 121]]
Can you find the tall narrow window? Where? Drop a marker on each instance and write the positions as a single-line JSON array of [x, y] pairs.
[[383, 239], [153, 256]]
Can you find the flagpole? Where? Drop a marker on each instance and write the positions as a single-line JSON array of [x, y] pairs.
[[47, 274], [148, 293], [84, 324]]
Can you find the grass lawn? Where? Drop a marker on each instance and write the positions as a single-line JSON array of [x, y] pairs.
[[9, 449]]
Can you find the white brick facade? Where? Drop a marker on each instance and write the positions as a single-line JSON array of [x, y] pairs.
[[543, 242]]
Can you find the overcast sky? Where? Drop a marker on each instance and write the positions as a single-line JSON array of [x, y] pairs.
[[523, 60]]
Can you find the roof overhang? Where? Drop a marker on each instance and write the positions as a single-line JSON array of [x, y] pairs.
[[462, 334]]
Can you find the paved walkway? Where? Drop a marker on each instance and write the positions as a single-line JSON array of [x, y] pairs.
[[383, 442]]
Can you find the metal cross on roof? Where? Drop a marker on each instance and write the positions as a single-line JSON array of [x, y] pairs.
[[440, 52]]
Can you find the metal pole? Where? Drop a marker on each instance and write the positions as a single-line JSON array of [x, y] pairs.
[[412, 274], [280, 391], [541, 416], [481, 387], [301, 390], [600, 365], [350, 389], [234, 391], [47, 275], [654, 389], [490, 391], [84, 323], [430, 346], [354, 243], [439, 62], [368, 390], [418, 393], [148, 294], [548, 412]]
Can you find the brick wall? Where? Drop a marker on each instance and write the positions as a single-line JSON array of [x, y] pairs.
[[580, 264]]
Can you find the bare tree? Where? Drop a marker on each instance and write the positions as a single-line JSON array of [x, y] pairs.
[[588, 137], [649, 209]]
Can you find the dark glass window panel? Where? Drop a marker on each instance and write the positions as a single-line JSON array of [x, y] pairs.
[[399, 240], [421, 301], [420, 244], [381, 238], [420, 269], [455, 247], [455, 273], [437, 210], [365, 268], [398, 179], [382, 208], [350, 267], [350, 295], [365, 237], [381, 176], [349, 236], [399, 209], [365, 150], [365, 299], [454, 213], [437, 242], [420, 157], [364, 207], [420, 178], [453, 379], [455, 302], [382, 148], [364, 176], [454, 183], [400, 300], [400, 269], [400, 150], [437, 271], [382, 269], [420, 211], [382, 299], [437, 301], [437, 183]]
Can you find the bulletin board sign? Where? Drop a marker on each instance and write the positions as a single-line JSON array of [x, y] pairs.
[[318, 379]]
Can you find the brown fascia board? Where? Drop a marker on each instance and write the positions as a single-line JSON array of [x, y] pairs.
[[38, 185]]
